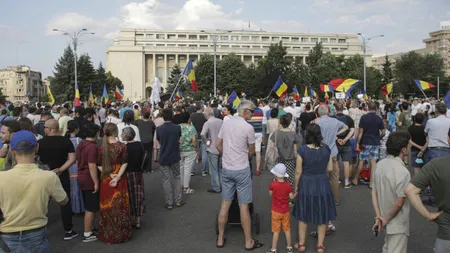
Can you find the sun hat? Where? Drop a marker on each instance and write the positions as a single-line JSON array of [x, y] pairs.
[[279, 170]]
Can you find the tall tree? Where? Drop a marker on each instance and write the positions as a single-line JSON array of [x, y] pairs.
[[204, 73], [62, 85], [387, 70], [172, 81], [100, 80], [313, 63], [272, 66], [86, 76]]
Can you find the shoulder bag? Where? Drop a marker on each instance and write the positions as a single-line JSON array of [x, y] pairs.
[[272, 152]]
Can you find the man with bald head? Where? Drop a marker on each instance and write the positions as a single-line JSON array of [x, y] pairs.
[[58, 153]]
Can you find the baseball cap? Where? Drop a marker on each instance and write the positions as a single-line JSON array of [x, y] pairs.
[[279, 170], [25, 136]]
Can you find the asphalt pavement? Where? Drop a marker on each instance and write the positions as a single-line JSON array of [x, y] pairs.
[[191, 228]]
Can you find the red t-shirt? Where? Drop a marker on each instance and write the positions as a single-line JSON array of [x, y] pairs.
[[86, 153], [280, 196]]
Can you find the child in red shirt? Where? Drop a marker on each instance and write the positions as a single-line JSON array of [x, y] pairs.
[[280, 191]]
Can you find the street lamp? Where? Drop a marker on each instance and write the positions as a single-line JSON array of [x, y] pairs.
[[74, 38], [215, 37], [365, 41]]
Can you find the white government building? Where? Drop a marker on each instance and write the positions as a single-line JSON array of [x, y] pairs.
[[140, 55]]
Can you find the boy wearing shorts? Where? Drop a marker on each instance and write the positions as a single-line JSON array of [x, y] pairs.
[[280, 191]]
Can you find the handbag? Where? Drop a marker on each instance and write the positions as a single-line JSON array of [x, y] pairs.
[[272, 152], [144, 157]]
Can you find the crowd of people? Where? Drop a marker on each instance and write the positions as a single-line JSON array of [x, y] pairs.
[[91, 160]]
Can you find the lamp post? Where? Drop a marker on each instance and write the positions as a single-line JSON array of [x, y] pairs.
[[365, 41], [74, 38], [215, 37]]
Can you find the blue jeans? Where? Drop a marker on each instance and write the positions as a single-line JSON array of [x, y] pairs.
[[215, 170], [201, 148], [435, 153], [35, 241]]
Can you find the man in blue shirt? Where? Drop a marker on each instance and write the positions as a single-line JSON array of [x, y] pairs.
[[126, 107], [168, 136]]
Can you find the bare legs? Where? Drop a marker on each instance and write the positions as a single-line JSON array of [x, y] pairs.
[[321, 229]]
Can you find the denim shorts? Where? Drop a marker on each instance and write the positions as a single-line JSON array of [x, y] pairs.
[[239, 181], [32, 241], [370, 152], [345, 153]]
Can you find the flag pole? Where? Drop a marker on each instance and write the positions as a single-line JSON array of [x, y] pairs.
[[438, 88], [176, 86], [424, 94], [269, 94]]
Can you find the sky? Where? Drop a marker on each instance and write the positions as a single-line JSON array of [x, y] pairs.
[[26, 35]]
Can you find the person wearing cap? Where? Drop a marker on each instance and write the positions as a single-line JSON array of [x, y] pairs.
[[8, 129], [58, 153], [281, 192], [24, 196]]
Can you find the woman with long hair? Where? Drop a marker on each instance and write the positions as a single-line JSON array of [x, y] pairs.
[[188, 150], [227, 112], [76, 199], [314, 202], [128, 121], [114, 222], [135, 179]]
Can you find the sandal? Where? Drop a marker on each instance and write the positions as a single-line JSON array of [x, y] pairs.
[[223, 244], [188, 191], [138, 225], [256, 244], [300, 247], [168, 207], [180, 204], [320, 249]]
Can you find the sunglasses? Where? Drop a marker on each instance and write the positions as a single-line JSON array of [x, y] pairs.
[[252, 111]]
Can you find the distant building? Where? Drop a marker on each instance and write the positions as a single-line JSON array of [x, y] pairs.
[[20, 83], [140, 55], [378, 61]]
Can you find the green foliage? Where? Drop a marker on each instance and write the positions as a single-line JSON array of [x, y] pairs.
[[172, 81], [111, 82], [86, 76], [62, 85], [387, 71]]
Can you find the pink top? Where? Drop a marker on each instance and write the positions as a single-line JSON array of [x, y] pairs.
[[237, 135]]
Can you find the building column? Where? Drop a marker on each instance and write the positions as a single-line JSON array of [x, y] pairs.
[[176, 60], [166, 63], [253, 58], [154, 68], [198, 57], [304, 59], [242, 58]]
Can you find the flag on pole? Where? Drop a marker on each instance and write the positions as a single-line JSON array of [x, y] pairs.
[[51, 99], [190, 74], [387, 89], [343, 83], [280, 88], [77, 101], [226, 96], [326, 88], [243, 94], [234, 99], [91, 96], [118, 93], [105, 94], [306, 92], [447, 99], [326, 95], [422, 85], [178, 95], [296, 95], [313, 93]]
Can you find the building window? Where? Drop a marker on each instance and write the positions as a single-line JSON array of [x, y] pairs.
[[245, 46], [245, 38], [192, 37], [182, 36], [203, 45], [160, 36], [160, 45], [324, 40], [160, 57], [235, 46], [224, 37], [343, 49], [225, 46], [275, 39], [285, 38], [294, 39], [182, 58], [203, 37], [256, 38], [150, 36], [181, 45], [334, 49], [171, 57], [139, 36], [235, 38], [170, 45], [193, 46], [296, 48], [171, 36], [341, 41], [265, 38], [305, 40], [265, 47], [314, 40], [332, 40]]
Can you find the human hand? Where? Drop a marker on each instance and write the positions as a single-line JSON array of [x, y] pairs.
[[295, 195], [57, 171], [433, 216], [113, 183], [383, 221], [95, 188], [113, 176], [377, 226]]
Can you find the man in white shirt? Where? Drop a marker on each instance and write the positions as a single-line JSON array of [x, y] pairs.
[[62, 121], [265, 108]]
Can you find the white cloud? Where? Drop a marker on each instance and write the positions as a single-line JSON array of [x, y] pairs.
[[396, 46], [372, 20]]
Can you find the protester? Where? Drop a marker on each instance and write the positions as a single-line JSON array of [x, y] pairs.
[[314, 203], [273, 124], [114, 222], [236, 143], [256, 122], [25, 193], [76, 199], [88, 178], [26, 124], [9, 127], [227, 112], [281, 193], [188, 151], [343, 144], [168, 135], [390, 179], [405, 118], [209, 134], [135, 178], [62, 121], [159, 121], [127, 121], [39, 128], [147, 131], [418, 141], [198, 120]]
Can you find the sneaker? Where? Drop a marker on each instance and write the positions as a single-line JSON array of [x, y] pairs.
[[192, 174], [348, 186], [91, 238], [204, 174], [272, 251], [289, 249], [70, 235]]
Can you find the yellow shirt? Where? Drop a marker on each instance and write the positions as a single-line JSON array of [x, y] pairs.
[[24, 194]]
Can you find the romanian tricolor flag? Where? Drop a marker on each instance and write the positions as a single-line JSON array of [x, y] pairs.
[[340, 84], [226, 96], [178, 95], [423, 85], [51, 99], [313, 93], [91, 96], [326, 88], [387, 89], [118, 93], [243, 94], [296, 95], [77, 101], [306, 92], [234, 99], [105, 94], [280, 88], [326, 95], [190, 74]]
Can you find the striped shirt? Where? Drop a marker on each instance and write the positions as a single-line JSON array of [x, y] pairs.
[[256, 120]]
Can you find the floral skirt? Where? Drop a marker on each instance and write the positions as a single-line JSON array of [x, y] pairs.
[[136, 192]]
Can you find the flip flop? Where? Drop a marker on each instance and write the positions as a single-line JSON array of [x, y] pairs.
[[180, 204], [256, 244], [221, 246], [168, 207]]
